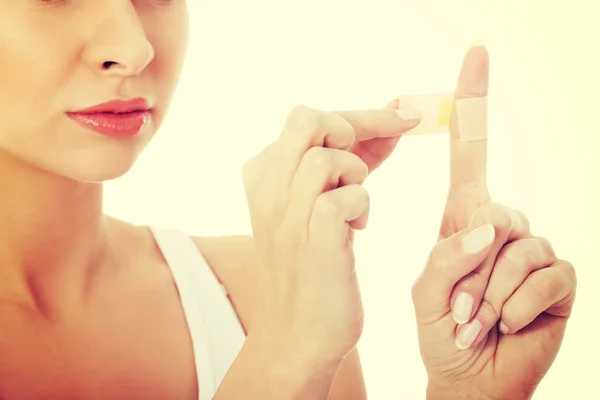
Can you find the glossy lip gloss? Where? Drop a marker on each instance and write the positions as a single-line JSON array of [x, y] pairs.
[[117, 118]]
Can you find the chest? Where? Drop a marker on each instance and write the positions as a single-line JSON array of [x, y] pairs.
[[135, 345]]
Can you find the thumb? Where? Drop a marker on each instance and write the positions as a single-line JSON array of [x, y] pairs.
[[450, 260]]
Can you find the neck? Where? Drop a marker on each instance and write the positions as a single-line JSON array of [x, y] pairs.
[[52, 235]]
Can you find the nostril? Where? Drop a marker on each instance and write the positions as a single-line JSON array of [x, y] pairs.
[[108, 64]]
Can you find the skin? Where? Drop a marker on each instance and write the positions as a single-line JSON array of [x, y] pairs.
[[521, 293], [73, 295], [80, 314]]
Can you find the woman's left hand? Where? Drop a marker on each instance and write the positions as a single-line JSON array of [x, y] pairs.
[[491, 320], [491, 316]]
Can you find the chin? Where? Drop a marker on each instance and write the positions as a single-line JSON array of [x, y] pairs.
[[100, 173], [88, 171], [79, 155], [88, 164], [97, 159]]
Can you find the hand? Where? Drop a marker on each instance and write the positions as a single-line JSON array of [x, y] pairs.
[[509, 294], [305, 197]]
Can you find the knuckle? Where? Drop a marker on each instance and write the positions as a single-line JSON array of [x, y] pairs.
[[438, 260], [344, 127], [360, 165], [570, 272], [544, 246], [503, 223], [326, 205], [496, 214], [330, 204], [522, 218], [304, 117], [546, 287], [319, 158], [361, 194], [488, 312], [516, 256]]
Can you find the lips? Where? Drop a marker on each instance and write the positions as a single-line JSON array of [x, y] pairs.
[[116, 118]]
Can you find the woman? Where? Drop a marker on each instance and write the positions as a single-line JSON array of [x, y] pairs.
[[95, 308]]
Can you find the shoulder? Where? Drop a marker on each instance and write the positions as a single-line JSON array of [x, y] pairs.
[[234, 260]]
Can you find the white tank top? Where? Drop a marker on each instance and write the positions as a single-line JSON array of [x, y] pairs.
[[216, 333]]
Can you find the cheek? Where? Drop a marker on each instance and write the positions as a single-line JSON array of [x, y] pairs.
[[33, 63], [170, 47]]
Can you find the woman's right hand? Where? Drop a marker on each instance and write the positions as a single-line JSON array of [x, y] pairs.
[[306, 197]]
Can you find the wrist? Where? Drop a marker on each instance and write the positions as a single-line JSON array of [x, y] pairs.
[[469, 391], [437, 393], [295, 343], [292, 365], [453, 392]]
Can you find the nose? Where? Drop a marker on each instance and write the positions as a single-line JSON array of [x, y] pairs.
[[118, 45]]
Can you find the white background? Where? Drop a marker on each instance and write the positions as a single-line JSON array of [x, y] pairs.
[[251, 61]]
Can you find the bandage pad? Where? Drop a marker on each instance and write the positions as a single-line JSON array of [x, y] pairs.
[[436, 110], [472, 118]]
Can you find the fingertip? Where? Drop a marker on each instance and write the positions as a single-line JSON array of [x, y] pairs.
[[503, 328], [411, 118], [473, 80], [467, 334], [462, 309], [479, 49]]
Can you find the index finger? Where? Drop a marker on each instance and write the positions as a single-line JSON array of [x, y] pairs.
[[307, 127], [383, 123], [468, 123]]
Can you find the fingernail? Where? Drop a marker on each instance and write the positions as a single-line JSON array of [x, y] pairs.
[[463, 307], [503, 328], [479, 239], [478, 43], [468, 334], [409, 114]]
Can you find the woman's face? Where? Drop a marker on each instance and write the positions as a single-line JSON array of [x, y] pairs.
[[58, 57]]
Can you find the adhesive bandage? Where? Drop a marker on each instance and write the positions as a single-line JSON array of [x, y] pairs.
[[472, 118], [437, 109]]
